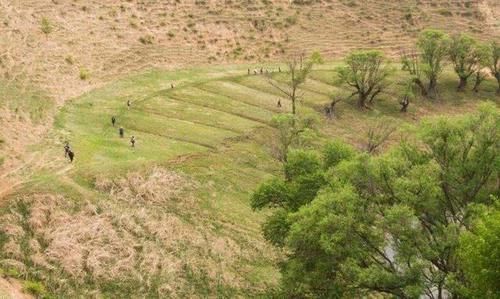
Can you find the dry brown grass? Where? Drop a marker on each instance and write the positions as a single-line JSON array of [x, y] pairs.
[[110, 241], [157, 186], [105, 37]]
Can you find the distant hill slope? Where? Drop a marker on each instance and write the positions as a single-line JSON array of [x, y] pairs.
[[67, 46]]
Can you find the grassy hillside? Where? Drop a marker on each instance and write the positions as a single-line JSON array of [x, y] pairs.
[[72, 46], [57, 50], [171, 216]]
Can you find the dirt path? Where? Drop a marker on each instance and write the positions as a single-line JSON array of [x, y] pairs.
[[12, 289]]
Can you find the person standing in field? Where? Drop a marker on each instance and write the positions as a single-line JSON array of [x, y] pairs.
[[129, 103], [132, 141], [67, 149], [121, 131], [113, 120], [71, 156]]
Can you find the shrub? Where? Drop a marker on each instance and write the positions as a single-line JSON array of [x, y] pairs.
[[146, 40], [69, 59], [84, 74], [445, 12], [35, 288], [291, 20], [335, 152], [46, 26]]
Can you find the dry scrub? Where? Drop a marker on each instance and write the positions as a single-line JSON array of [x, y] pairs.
[[130, 242]]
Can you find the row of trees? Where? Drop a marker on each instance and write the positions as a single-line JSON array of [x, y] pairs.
[[366, 73], [467, 56], [421, 219]]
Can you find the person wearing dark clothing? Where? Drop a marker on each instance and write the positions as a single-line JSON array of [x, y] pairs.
[[132, 141], [121, 132], [279, 103], [129, 104], [66, 149], [71, 156], [113, 120], [328, 112]]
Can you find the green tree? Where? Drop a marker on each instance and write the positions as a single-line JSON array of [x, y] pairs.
[[366, 72], [412, 64], [433, 45], [406, 95], [480, 73], [298, 69], [388, 224], [493, 62], [464, 55], [479, 254], [303, 177], [292, 132]]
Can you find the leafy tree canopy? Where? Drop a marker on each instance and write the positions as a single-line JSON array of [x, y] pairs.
[[356, 225]]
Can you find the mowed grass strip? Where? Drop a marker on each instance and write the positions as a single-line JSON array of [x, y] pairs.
[[247, 95], [99, 150], [177, 129], [324, 76], [305, 93], [222, 103], [176, 109]]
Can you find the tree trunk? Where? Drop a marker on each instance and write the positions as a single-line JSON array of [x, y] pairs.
[[293, 98], [362, 100], [462, 84], [372, 97], [439, 291], [420, 85], [477, 83]]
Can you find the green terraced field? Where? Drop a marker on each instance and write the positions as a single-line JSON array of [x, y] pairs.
[[214, 128]]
